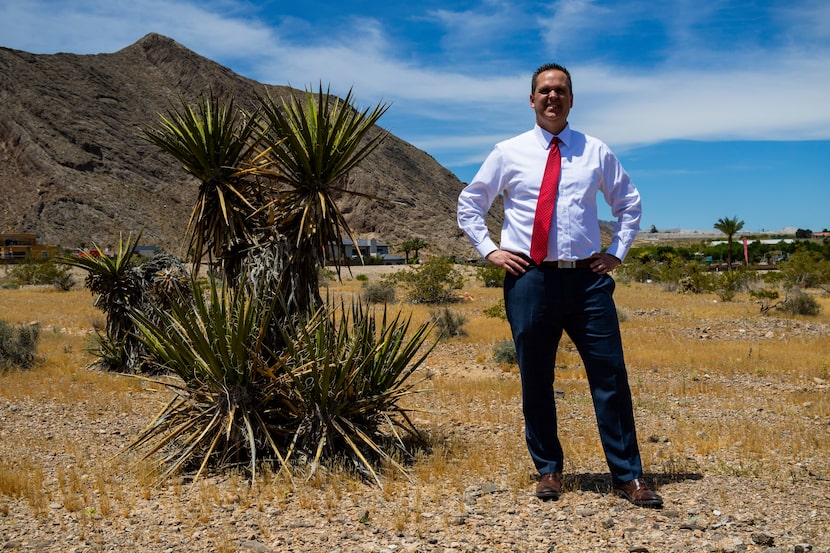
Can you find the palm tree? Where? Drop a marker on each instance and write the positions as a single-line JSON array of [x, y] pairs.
[[418, 244], [730, 228]]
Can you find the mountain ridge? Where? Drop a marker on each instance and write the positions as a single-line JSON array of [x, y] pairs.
[[76, 169]]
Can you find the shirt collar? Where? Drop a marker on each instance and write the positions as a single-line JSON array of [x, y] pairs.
[[545, 137]]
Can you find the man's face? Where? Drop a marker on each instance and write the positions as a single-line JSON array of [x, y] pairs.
[[552, 100]]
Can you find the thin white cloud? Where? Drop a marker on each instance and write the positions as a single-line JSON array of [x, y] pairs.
[[471, 32], [91, 26], [777, 90], [569, 21]]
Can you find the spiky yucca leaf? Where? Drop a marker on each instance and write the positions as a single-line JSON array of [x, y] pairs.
[[349, 377], [308, 146], [215, 345], [212, 142], [318, 139]]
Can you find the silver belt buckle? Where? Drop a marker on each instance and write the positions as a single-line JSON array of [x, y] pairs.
[[566, 264]]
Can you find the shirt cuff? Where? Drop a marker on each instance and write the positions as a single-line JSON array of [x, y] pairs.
[[486, 248]]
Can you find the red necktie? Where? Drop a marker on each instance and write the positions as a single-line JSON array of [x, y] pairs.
[[545, 204]]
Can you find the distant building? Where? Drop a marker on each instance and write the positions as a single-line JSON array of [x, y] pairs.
[[347, 251], [17, 247], [147, 251], [766, 241]]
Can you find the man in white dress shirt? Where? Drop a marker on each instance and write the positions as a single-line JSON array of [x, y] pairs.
[[568, 288]]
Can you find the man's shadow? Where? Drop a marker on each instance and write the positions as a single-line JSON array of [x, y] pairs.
[[601, 482]]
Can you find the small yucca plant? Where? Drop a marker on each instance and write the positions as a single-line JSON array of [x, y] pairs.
[[117, 293], [349, 375]]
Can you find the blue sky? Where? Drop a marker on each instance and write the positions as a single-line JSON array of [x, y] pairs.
[[716, 109]]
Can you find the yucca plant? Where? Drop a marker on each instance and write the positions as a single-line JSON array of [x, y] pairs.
[[212, 142], [117, 293], [349, 375], [214, 344], [266, 368], [308, 147], [335, 386]]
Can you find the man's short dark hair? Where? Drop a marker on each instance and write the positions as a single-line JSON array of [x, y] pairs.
[[550, 67]]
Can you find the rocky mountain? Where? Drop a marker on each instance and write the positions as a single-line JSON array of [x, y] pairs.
[[75, 168]]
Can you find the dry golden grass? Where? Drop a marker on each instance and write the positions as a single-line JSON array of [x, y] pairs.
[[734, 404]]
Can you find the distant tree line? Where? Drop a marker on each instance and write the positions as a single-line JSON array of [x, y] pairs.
[[756, 250]]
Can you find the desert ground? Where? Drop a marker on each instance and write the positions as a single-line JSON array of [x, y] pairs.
[[732, 406]]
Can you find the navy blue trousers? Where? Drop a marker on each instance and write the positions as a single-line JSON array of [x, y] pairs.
[[540, 304]]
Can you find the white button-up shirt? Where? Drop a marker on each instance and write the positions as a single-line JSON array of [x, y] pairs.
[[515, 168]]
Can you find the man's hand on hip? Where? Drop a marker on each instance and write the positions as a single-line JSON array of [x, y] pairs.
[[604, 263], [509, 261]]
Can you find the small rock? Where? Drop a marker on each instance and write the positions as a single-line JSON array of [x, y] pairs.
[[761, 538], [722, 522], [456, 520], [802, 548], [254, 546], [730, 545]]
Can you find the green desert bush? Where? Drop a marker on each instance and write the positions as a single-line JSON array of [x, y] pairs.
[[448, 322], [378, 292], [433, 281], [798, 302], [33, 271], [18, 345], [805, 269], [728, 283], [497, 310], [504, 352], [490, 275], [636, 270]]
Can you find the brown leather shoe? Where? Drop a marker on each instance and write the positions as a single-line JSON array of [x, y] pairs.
[[549, 486], [637, 492]]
